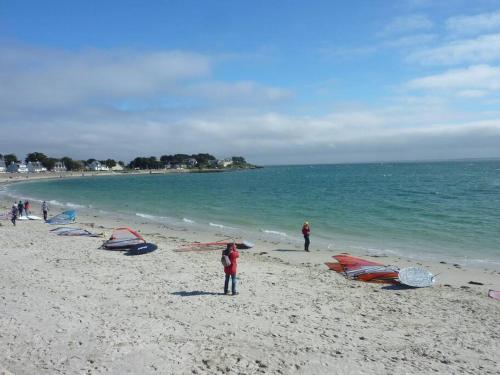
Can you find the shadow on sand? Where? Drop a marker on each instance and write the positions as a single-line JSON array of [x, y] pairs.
[[295, 250], [397, 287], [196, 293]]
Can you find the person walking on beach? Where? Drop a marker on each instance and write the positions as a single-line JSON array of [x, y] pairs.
[[20, 207], [27, 208], [229, 256], [13, 214], [306, 231], [45, 210]]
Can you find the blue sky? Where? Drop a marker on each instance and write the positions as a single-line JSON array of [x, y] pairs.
[[276, 81]]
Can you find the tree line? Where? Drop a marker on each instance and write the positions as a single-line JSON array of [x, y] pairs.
[[202, 160]]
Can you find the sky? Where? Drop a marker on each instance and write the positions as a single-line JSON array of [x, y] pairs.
[[278, 82]]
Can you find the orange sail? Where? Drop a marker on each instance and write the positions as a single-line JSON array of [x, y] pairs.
[[363, 270]]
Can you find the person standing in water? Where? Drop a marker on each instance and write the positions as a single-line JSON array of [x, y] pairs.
[[45, 210], [230, 269], [306, 231], [13, 214]]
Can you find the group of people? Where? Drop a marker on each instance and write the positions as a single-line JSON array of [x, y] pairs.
[[20, 208], [230, 256]]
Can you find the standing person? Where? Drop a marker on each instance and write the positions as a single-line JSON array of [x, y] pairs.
[[230, 254], [45, 210], [306, 231], [13, 214], [20, 207], [27, 208]]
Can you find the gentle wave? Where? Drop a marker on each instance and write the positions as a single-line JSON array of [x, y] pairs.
[[220, 226], [188, 221], [74, 205], [282, 234], [146, 216]]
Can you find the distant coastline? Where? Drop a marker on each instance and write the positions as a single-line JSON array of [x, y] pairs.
[[10, 178]]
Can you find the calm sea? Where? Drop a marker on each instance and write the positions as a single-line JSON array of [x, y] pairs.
[[439, 210]]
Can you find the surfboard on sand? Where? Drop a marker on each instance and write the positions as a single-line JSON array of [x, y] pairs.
[[34, 217]]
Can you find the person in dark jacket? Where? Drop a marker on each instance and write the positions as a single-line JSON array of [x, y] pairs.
[[306, 231], [13, 214], [20, 207], [231, 269]]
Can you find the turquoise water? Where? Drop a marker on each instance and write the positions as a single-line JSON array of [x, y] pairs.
[[441, 210]]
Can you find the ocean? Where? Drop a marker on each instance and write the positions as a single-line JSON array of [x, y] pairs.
[[433, 210]]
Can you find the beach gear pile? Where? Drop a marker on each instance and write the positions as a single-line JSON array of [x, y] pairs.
[[130, 240], [364, 270]]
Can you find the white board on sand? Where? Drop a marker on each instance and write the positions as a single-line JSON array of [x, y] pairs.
[[34, 217], [22, 218], [417, 277]]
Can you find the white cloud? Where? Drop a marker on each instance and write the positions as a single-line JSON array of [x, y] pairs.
[[466, 25], [473, 81], [355, 134], [483, 49], [44, 79], [405, 24]]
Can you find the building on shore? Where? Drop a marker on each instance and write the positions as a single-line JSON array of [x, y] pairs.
[[3, 167], [225, 162], [97, 166], [117, 167], [59, 167], [19, 167], [36, 167]]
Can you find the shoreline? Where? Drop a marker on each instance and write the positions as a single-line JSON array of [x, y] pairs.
[[317, 257], [69, 307], [253, 234]]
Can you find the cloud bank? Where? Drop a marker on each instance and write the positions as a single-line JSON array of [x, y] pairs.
[[125, 103]]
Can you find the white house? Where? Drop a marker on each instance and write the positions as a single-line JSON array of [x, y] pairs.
[[192, 162], [17, 167], [59, 167], [224, 163], [117, 167], [36, 167], [98, 166], [3, 168]]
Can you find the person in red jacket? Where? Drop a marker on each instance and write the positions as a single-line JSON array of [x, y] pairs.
[[230, 270], [306, 231]]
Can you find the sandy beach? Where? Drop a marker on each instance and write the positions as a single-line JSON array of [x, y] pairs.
[[68, 307]]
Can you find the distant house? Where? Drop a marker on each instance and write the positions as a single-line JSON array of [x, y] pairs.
[[168, 165], [213, 163], [3, 167], [17, 167], [117, 167], [59, 167], [98, 166], [192, 162], [36, 167], [225, 163]]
